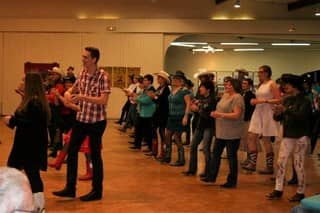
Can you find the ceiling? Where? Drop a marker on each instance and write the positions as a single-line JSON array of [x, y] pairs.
[[126, 9], [263, 42]]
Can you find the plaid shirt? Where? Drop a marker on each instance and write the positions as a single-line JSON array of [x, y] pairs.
[[94, 86]]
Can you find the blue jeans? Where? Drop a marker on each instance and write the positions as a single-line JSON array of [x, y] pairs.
[[199, 135]]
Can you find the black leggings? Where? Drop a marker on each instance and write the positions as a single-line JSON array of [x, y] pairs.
[[34, 179]]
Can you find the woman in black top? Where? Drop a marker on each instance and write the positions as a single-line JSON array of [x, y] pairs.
[[29, 151], [161, 114], [247, 86], [295, 112]]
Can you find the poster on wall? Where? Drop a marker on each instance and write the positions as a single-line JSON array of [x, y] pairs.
[[109, 71], [222, 74], [255, 79], [119, 77]]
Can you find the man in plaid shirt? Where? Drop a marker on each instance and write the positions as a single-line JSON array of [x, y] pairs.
[[91, 91]]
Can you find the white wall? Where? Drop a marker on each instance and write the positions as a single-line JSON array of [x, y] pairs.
[[137, 42], [137, 50], [281, 61]]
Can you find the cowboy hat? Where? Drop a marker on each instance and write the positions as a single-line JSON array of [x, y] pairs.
[[295, 80], [57, 70], [163, 74], [179, 74]]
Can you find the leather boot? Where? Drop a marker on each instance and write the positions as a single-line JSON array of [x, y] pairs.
[[66, 192], [162, 151], [181, 160], [269, 165], [59, 160], [89, 174], [155, 147], [251, 166], [167, 156]]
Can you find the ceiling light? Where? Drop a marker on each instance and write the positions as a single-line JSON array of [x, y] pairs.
[[179, 44], [239, 43], [237, 4], [82, 16], [193, 43], [290, 44], [111, 28], [317, 14], [248, 49], [207, 49]]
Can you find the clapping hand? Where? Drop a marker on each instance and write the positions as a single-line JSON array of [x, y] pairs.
[[278, 108], [6, 119]]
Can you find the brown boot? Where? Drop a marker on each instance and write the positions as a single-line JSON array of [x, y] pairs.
[[59, 160], [162, 152], [155, 147], [89, 174]]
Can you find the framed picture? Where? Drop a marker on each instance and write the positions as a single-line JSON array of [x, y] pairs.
[[109, 71], [222, 74]]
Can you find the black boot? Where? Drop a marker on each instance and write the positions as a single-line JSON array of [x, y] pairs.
[[167, 156], [274, 195], [66, 192], [93, 195], [181, 160], [294, 179]]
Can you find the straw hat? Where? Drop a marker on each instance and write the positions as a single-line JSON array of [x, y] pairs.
[[164, 75], [57, 70]]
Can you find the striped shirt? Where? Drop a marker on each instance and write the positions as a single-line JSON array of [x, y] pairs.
[[92, 85]]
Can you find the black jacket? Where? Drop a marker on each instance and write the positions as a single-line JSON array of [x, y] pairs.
[[31, 138], [297, 118]]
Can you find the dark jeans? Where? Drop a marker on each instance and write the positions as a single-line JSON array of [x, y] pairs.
[[131, 118], [144, 129], [79, 132], [199, 135], [232, 148], [125, 111], [34, 178]]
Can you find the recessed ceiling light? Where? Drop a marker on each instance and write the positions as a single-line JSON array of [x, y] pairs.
[[237, 4], [317, 14], [107, 17], [248, 50], [238, 43], [82, 16], [290, 44]]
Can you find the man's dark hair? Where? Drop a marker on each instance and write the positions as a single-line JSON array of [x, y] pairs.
[[149, 78], [208, 85], [94, 52]]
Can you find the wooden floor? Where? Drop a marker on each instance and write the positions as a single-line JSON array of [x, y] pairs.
[[137, 183]]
